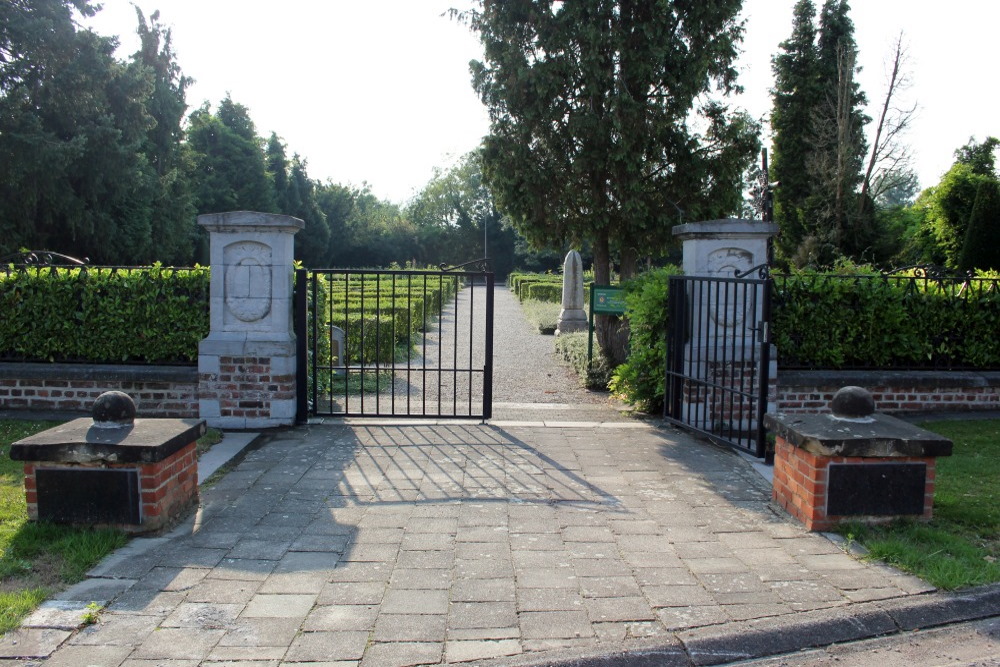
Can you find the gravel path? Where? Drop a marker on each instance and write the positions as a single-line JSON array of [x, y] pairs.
[[530, 380]]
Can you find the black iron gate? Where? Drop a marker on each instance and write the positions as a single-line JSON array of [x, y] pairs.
[[394, 343], [718, 358]]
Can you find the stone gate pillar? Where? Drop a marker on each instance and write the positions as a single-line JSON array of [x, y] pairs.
[[717, 248], [717, 351], [246, 366]]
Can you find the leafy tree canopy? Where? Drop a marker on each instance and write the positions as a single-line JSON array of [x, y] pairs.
[[948, 206], [981, 247], [603, 127]]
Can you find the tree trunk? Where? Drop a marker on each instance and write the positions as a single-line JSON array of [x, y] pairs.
[[612, 331]]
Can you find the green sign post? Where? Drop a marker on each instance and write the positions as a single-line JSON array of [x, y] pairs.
[[604, 300]]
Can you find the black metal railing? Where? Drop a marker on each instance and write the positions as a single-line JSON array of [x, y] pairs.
[[395, 343], [913, 319], [718, 358]]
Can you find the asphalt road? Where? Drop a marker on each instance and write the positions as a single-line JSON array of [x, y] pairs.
[[975, 644]]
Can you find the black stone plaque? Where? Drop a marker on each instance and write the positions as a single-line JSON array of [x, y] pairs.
[[88, 495], [877, 489]]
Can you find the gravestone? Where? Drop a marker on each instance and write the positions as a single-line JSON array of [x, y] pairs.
[[338, 349], [572, 317]]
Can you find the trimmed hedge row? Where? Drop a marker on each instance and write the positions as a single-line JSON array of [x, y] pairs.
[[871, 321], [542, 287], [158, 315], [388, 311], [521, 283], [153, 315]]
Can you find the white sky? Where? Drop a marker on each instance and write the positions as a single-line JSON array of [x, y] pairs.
[[380, 92]]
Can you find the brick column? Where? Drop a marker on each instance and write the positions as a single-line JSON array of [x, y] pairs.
[[246, 366]]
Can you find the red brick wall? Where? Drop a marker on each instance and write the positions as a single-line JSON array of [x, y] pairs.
[[897, 395], [800, 483], [68, 388]]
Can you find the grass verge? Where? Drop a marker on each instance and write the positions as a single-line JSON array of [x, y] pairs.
[[543, 315], [960, 546], [38, 559]]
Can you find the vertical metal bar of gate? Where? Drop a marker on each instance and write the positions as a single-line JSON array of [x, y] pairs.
[[301, 346], [488, 369], [439, 310], [765, 362]]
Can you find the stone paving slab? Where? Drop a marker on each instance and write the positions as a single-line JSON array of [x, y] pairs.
[[444, 543]]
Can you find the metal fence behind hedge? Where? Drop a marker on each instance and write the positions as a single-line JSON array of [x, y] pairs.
[[103, 314], [903, 322]]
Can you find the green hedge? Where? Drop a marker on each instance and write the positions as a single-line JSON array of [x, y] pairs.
[[864, 320], [640, 380], [522, 283], [104, 315], [549, 292], [873, 321]]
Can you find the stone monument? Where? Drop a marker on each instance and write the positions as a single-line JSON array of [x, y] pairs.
[[246, 366], [572, 317]]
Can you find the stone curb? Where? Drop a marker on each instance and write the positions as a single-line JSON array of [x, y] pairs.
[[779, 635]]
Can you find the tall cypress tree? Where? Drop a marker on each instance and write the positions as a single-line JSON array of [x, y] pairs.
[[839, 150], [818, 123], [173, 207], [981, 249], [796, 94]]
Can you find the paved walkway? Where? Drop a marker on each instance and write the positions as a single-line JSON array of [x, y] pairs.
[[391, 545], [519, 542]]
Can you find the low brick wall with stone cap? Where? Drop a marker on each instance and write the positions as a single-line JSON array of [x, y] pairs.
[[895, 392], [829, 468], [159, 391]]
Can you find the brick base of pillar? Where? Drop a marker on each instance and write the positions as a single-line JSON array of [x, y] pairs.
[[247, 391]]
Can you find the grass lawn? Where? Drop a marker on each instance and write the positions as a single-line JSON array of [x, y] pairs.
[[960, 547], [37, 559]]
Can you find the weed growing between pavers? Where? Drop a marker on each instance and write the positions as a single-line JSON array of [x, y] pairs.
[[960, 547]]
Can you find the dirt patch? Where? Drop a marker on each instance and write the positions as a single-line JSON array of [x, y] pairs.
[[46, 572]]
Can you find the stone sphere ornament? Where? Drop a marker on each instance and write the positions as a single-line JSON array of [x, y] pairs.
[[852, 403], [114, 408]]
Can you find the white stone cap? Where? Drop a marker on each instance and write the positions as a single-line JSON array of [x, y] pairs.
[[238, 221], [728, 228]]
